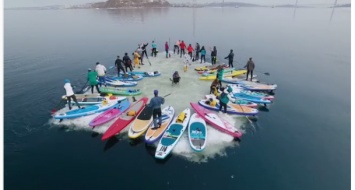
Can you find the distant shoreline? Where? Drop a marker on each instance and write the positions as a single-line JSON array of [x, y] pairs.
[[61, 7]]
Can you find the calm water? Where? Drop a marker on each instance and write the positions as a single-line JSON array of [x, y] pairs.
[[303, 142]]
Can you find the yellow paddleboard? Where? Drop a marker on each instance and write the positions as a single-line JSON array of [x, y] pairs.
[[234, 73], [141, 123], [153, 135]]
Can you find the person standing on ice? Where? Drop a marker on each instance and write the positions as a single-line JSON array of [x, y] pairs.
[[214, 55], [203, 54], [230, 59], [224, 98], [136, 58], [182, 48], [250, 68], [92, 78], [127, 62], [197, 49], [190, 49], [144, 51], [119, 66], [101, 72], [154, 49], [140, 52], [69, 93], [177, 46], [166, 49], [156, 103]]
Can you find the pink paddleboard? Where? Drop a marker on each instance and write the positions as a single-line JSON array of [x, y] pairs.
[[214, 120], [110, 114]]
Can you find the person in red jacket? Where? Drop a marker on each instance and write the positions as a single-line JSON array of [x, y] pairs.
[[182, 48], [190, 49]]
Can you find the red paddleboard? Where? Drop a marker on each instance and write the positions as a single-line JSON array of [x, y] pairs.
[[214, 120], [124, 120]]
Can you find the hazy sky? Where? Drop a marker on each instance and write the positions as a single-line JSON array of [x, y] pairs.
[[34, 3]]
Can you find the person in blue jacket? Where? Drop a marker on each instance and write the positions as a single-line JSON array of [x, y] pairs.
[[156, 103], [154, 49], [203, 54]]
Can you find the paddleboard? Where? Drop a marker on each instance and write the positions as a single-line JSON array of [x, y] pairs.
[[145, 74], [172, 135], [253, 86], [152, 135], [236, 88], [120, 91], [129, 78], [88, 110], [118, 83], [231, 108], [237, 101], [124, 120], [197, 133], [215, 121], [232, 73], [141, 123], [110, 114]]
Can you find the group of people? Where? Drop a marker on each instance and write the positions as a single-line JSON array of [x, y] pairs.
[[224, 97], [125, 63], [180, 48]]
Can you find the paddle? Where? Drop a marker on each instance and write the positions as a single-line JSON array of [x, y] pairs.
[[148, 60], [265, 73], [167, 95], [78, 92], [56, 107]]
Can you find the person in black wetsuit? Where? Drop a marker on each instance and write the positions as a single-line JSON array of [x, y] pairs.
[[197, 49], [127, 62], [144, 51], [230, 59], [118, 64], [214, 55]]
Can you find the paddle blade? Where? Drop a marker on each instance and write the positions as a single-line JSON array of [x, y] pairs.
[[53, 111], [267, 73]]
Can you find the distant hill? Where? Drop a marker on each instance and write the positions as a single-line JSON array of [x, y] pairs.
[[343, 5], [131, 3], [291, 6], [52, 7], [231, 4]]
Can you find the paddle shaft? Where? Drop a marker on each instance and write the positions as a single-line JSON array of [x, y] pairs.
[[56, 107], [82, 88]]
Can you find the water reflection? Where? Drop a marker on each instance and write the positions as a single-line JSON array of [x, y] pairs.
[[134, 14]]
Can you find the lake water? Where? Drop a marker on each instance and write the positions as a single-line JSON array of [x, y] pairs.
[[301, 142]]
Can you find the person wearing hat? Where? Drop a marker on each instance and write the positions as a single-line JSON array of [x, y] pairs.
[[92, 78], [224, 99], [69, 93], [101, 72], [250, 67], [119, 66], [230, 59], [176, 75], [156, 103]]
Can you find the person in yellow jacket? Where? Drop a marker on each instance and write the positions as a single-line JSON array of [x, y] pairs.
[[136, 59]]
